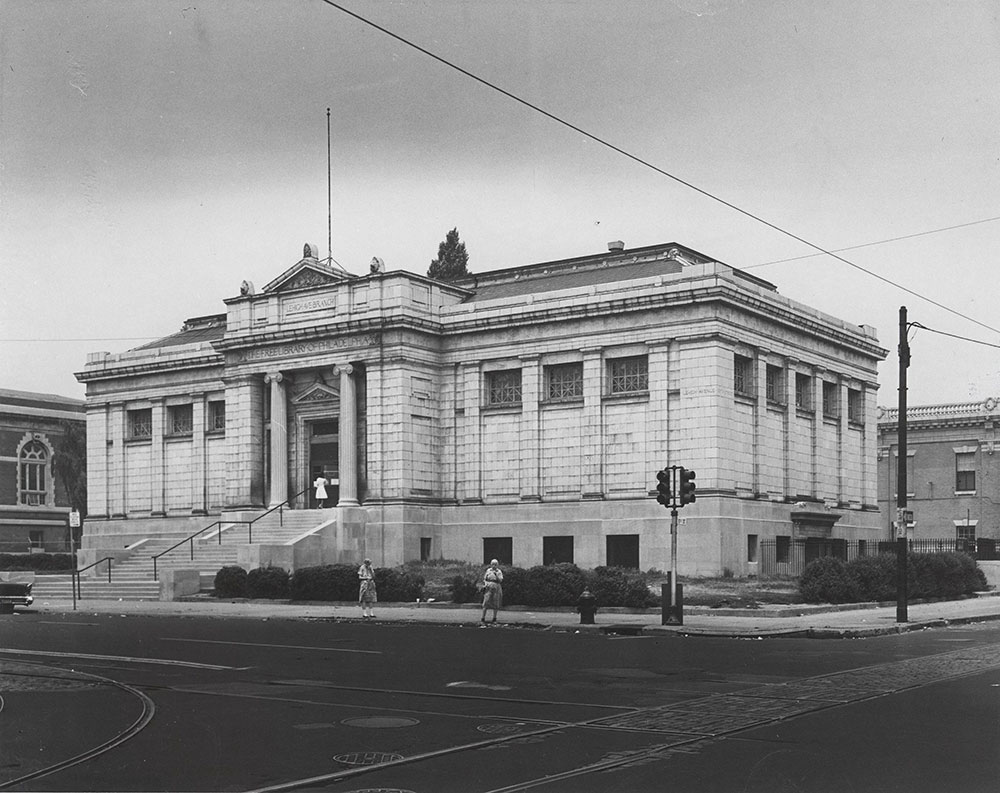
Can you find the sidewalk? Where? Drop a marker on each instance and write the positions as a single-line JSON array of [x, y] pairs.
[[790, 621]]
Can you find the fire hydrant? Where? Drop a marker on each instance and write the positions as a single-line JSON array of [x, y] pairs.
[[587, 606]]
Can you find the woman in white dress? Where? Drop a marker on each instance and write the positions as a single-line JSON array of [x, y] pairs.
[[320, 485]]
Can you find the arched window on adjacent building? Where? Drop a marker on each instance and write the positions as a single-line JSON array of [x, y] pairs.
[[33, 474]]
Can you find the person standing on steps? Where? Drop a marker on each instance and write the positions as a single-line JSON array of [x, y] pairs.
[[492, 590], [367, 596], [320, 485]]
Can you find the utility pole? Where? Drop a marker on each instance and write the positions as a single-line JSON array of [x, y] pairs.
[[901, 544]]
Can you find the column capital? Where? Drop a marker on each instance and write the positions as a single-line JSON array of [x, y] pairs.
[[343, 368], [273, 377]]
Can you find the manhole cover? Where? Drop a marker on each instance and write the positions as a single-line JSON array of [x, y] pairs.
[[367, 758], [501, 729], [380, 722]]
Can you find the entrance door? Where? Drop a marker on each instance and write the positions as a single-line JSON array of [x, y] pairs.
[[324, 457]]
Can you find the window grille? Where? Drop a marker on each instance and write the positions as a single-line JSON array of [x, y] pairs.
[[742, 375], [140, 423], [564, 381], [855, 406], [180, 420], [33, 461], [803, 392], [965, 472], [831, 400], [503, 387], [217, 416], [629, 375], [775, 384]]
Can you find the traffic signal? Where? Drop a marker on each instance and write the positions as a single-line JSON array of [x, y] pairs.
[[687, 487], [665, 496]]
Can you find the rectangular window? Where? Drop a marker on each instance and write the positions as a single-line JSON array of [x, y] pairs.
[[140, 423], [556, 550], [783, 549], [742, 375], [36, 539], [803, 391], [965, 539], [628, 375], [425, 549], [499, 548], [855, 406], [965, 472], [775, 384], [564, 382], [831, 400], [216, 416], [862, 547], [751, 547], [180, 419], [503, 388], [623, 550]]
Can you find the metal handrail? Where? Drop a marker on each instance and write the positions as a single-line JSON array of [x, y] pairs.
[[75, 576], [281, 516], [191, 540], [220, 523]]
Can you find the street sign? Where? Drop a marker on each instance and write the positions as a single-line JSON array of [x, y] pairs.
[[74, 519]]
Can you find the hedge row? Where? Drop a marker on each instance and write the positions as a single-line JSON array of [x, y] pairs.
[[36, 561], [562, 585], [327, 582], [873, 578]]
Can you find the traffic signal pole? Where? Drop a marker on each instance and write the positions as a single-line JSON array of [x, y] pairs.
[[675, 606]]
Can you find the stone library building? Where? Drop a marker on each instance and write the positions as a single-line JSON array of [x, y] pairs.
[[521, 414]]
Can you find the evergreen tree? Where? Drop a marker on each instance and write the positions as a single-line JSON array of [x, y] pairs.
[[452, 261]]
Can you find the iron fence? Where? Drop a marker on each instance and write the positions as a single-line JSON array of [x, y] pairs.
[[785, 557]]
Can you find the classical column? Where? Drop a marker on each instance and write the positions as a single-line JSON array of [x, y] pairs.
[[348, 451], [279, 439]]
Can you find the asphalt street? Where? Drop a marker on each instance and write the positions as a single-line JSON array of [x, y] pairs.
[[132, 701]]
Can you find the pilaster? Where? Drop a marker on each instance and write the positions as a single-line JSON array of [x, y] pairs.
[[199, 482], [592, 429], [531, 376], [157, 481]]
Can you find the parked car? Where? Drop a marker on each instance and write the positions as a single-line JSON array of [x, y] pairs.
[[15, 590]]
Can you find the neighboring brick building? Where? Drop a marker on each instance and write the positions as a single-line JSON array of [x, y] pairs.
[[521, 413], [34, 507], [953, 470]]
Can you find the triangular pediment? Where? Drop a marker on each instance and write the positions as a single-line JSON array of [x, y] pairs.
[[306, 273], [318, 392]]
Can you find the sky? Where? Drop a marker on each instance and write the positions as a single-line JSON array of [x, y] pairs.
[[154, 154]]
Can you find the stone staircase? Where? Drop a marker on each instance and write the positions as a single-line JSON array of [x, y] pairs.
[[132, 578]]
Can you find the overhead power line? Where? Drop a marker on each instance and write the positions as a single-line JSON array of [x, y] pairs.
[[877, 242], [954, 336], [649, 165]]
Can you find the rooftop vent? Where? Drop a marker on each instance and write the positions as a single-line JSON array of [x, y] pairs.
[[616, 245]]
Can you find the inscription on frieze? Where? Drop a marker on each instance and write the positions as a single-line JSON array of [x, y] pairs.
[[305, 348], [309, 304]]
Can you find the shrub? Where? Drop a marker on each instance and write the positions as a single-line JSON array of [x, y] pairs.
[[325, 582], [268, 582], [463, 589], [621, 586], [396, 585], [231, 582], [550, 585], [873, 577], [825, 580]]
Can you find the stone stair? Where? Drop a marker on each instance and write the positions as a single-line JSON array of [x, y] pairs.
[[132, 578]]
